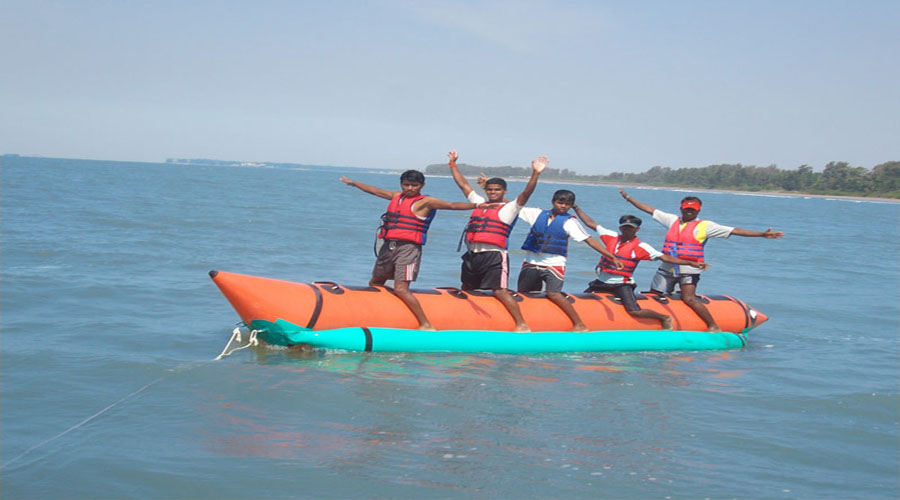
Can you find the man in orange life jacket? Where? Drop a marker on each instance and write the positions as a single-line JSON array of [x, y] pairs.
[[404, 228], [546, 248], [486, 262], [686, 237], [630, 250]]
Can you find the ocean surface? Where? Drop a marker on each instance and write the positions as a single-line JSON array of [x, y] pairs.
[[110, 325]]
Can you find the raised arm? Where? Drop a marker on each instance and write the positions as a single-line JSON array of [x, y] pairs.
[[596, 245], [537, 166], [640, 205], [457, 175], [588, 221], [377, 191], [768, 233], [684, 262]]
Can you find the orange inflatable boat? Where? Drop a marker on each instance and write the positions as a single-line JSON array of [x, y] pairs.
[[326, 306]]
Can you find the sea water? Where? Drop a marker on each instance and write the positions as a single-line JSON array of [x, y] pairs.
[[110, 324]]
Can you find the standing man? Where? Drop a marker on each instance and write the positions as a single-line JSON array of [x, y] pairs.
[[631, 251], [686, 237], [403, 228], [486, 262], [546, 249]]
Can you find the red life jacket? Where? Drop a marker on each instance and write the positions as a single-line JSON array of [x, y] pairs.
[[400, 223], [485, 226], [624, 253], [681, 242]]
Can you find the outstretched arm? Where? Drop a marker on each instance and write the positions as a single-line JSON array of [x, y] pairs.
[[377, 191], [427, 204], [537, 166], [640, 205], [585, 217], [596, 245], [457, 175], [768, 233], [683, 262]]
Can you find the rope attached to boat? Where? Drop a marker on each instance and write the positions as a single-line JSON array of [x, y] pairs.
[[236, 337]]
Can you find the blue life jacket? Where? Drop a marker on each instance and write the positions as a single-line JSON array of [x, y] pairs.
[[548, 236]]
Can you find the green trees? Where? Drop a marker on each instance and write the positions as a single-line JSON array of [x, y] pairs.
[[838, 178]]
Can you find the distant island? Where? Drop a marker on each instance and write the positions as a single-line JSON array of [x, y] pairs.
[[837, 178]]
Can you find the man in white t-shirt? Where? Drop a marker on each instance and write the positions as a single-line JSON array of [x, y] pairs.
[[546, 249], [686, 237], [486, 262], [630, 250]]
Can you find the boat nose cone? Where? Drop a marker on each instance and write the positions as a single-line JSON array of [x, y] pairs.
[[757, 317]]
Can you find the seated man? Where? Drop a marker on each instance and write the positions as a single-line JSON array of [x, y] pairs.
[[630, 250]]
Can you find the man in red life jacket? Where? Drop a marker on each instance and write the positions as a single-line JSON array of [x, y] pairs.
[[486, 262], [404, 229], [546, 248], [686, 237], [630, 250]]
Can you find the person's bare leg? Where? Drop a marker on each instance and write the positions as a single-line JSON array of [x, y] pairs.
[[401, 289], [689, 296], [665, 319], [512, 306], [558, 299]]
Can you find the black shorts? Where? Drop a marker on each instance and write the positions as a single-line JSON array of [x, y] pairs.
[[624, 291], [536, 278], [485, 270]]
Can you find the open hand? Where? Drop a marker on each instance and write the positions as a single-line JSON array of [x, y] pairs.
[[539, 164], [482, 180], [346, 181], [773, 235]]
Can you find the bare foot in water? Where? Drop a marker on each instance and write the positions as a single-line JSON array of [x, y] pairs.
[[667, 323]]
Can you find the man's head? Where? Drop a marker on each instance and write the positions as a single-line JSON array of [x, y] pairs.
[[412, 182], [690, 207], [629, 225], [495, 189], [563, 200]]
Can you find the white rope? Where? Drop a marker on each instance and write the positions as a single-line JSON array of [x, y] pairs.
[[236, 337], [70, 429]]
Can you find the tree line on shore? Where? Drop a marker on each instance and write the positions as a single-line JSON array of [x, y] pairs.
[[837, 178]]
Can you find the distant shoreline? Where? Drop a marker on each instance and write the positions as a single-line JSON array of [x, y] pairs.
[[786, 194]]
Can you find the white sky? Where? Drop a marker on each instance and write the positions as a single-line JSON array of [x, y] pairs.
[[597, 86]]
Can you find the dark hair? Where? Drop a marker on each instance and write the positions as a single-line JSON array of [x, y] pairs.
[[692, 198], [413, 176], [564, 195], [496, 180]]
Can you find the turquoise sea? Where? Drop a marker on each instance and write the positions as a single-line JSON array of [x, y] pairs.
[[110, 324]]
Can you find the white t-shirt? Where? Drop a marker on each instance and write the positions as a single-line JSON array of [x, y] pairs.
[[643, 251], [702, 232], [507, 214], [572, 227]]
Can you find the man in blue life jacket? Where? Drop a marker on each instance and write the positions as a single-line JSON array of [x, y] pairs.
[[546, 249], [486, 262], [404, 229], [686, 238]]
